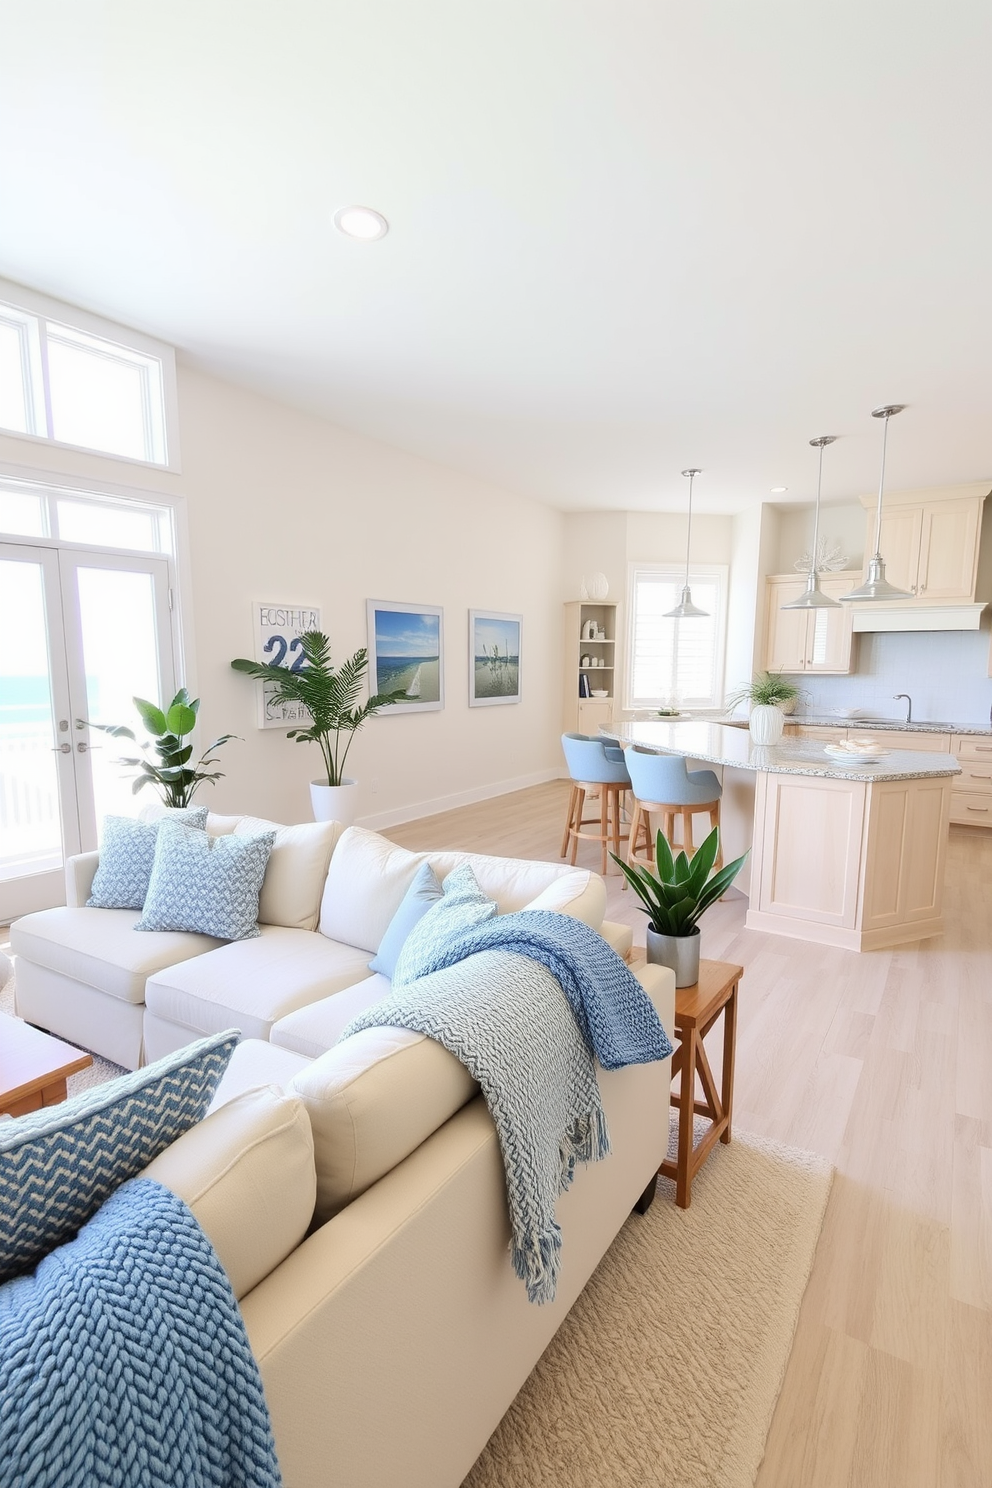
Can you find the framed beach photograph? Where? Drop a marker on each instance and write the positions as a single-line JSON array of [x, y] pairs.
[[406, 654], [493, 658]]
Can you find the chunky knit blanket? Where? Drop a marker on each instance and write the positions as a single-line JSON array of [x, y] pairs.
[[528, 1039], [124, 1360]]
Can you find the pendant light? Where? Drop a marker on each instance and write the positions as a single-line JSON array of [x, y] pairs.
[[685, 609], [877, 586], [814, 597]]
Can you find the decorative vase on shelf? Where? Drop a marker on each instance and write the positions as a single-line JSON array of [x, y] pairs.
[[598, 586], [766, 723]]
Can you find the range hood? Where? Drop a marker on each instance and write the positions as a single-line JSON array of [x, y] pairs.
[[916, 616]]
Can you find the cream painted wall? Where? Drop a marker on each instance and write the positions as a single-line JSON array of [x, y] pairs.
[[282, 506], [844, 525]]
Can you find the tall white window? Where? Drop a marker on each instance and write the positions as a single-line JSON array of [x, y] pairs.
[[83, 382], [675, 661]]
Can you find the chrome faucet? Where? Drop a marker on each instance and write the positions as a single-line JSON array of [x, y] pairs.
[[909, 704]]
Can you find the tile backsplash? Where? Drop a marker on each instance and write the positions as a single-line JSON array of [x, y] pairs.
[[945, 673]]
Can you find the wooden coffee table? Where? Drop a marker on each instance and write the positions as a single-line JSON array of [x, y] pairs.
[[697, 1008], [34, 1067]]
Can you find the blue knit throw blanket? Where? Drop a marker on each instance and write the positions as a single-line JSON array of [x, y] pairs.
[[527, 1033], [124, 1360]]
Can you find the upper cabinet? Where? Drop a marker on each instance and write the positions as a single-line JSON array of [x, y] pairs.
[[930, 541], [808, 640]]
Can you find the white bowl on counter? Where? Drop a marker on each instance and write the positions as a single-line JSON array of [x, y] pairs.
[[600, 692]]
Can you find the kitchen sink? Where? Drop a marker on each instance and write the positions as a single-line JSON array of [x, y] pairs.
[[931, 723]]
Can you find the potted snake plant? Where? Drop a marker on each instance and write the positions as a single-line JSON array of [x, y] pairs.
[[674, 895]]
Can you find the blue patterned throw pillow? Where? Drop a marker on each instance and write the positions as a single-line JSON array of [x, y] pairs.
[[461, 907], [209, 885], [127, 852], [57, 1165], [422, 893]]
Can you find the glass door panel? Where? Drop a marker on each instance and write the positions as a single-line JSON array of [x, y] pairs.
[[38, 814], [119, 635]]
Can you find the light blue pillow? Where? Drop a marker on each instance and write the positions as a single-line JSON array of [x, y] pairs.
[[127, 852], [57, 1165], [209, 885], [461, 907], [422, 893]]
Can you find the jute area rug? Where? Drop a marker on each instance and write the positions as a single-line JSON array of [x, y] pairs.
[[667, 1369]]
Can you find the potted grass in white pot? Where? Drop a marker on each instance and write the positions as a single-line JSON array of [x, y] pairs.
[[771, 696], [330, 696], [674, 895]]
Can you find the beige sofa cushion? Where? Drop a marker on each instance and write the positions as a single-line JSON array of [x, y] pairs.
[[247, 1173], [314, 1029], [295, 872], [254, 1063], [102, 948], [249, 984], [371, 1101]]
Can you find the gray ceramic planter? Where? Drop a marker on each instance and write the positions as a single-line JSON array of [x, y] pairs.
[[680, 952]]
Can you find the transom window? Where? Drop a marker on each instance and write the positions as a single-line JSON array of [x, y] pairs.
[[31, 509], [77, 384], [675, 662]]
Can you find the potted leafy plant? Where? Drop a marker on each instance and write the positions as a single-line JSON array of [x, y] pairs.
[[175, 779], [331, 698], [770, 695], [674, 895]]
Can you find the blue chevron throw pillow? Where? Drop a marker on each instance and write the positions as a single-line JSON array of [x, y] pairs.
[[209, 885], [59, 1164]]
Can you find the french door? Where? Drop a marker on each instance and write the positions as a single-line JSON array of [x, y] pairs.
[[81, 633]]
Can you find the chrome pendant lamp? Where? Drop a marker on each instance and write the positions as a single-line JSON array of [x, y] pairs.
[[814, 597], [685, 609], [877, 586]]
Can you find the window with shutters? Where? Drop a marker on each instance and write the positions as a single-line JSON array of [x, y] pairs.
[[675, 661]]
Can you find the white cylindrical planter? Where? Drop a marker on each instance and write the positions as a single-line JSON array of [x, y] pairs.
[[678, 952], [766, 723], [334, 802]]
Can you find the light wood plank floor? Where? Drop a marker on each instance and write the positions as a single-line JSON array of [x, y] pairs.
[[882, 1062]]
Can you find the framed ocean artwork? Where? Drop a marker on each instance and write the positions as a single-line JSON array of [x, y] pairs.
[[493, 658], [406, 654]]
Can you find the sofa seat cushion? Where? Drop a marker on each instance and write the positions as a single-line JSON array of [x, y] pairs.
[[248, 984], [256, 1064], [314, 1029], [102, 948]]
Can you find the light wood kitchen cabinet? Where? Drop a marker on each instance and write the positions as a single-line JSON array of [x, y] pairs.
[[930, 542], [808, 640], [971, 795], [586, 715]]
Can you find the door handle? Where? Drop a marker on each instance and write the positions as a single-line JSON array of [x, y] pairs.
[[62, 749], [80, 746]]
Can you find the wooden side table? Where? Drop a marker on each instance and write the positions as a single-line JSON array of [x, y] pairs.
[[696, 1010]]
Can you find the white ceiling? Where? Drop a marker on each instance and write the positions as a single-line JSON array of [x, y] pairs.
[[625, 237]]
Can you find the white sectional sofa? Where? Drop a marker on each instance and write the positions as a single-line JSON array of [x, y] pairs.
[[87, 975], [358, 1204]]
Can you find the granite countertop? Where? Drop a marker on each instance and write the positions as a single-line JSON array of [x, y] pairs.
[[723, 744], [870, 725]]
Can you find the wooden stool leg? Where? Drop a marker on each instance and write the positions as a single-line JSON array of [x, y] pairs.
[[668, 827], [715, 822], [617, 799], [604, 822], [635, 828], [687, 842], [580, 802], [568, 820]]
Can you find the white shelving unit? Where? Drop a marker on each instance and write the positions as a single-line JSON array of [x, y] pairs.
[[586, 715]]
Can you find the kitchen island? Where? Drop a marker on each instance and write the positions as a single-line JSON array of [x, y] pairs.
[[843, 853]]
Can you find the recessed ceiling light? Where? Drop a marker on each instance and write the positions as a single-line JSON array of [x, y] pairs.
[[777, 490], [362, 223]]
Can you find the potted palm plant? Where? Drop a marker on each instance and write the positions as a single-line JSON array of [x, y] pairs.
[[174, 777], [331, 698], [771, 696], [674, 896]]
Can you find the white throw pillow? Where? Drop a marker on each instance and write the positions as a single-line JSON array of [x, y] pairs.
[[295, 872], [365, 884]]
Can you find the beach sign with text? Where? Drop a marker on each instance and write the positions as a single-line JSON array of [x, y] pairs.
[[278, 628]]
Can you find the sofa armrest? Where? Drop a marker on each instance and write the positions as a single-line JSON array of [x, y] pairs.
[[659, 983], [79, 874]]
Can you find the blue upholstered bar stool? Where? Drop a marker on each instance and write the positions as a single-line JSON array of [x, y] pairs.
[[595, 765], [661, 783]]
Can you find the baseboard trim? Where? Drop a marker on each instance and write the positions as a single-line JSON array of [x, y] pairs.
[[439, 804]]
